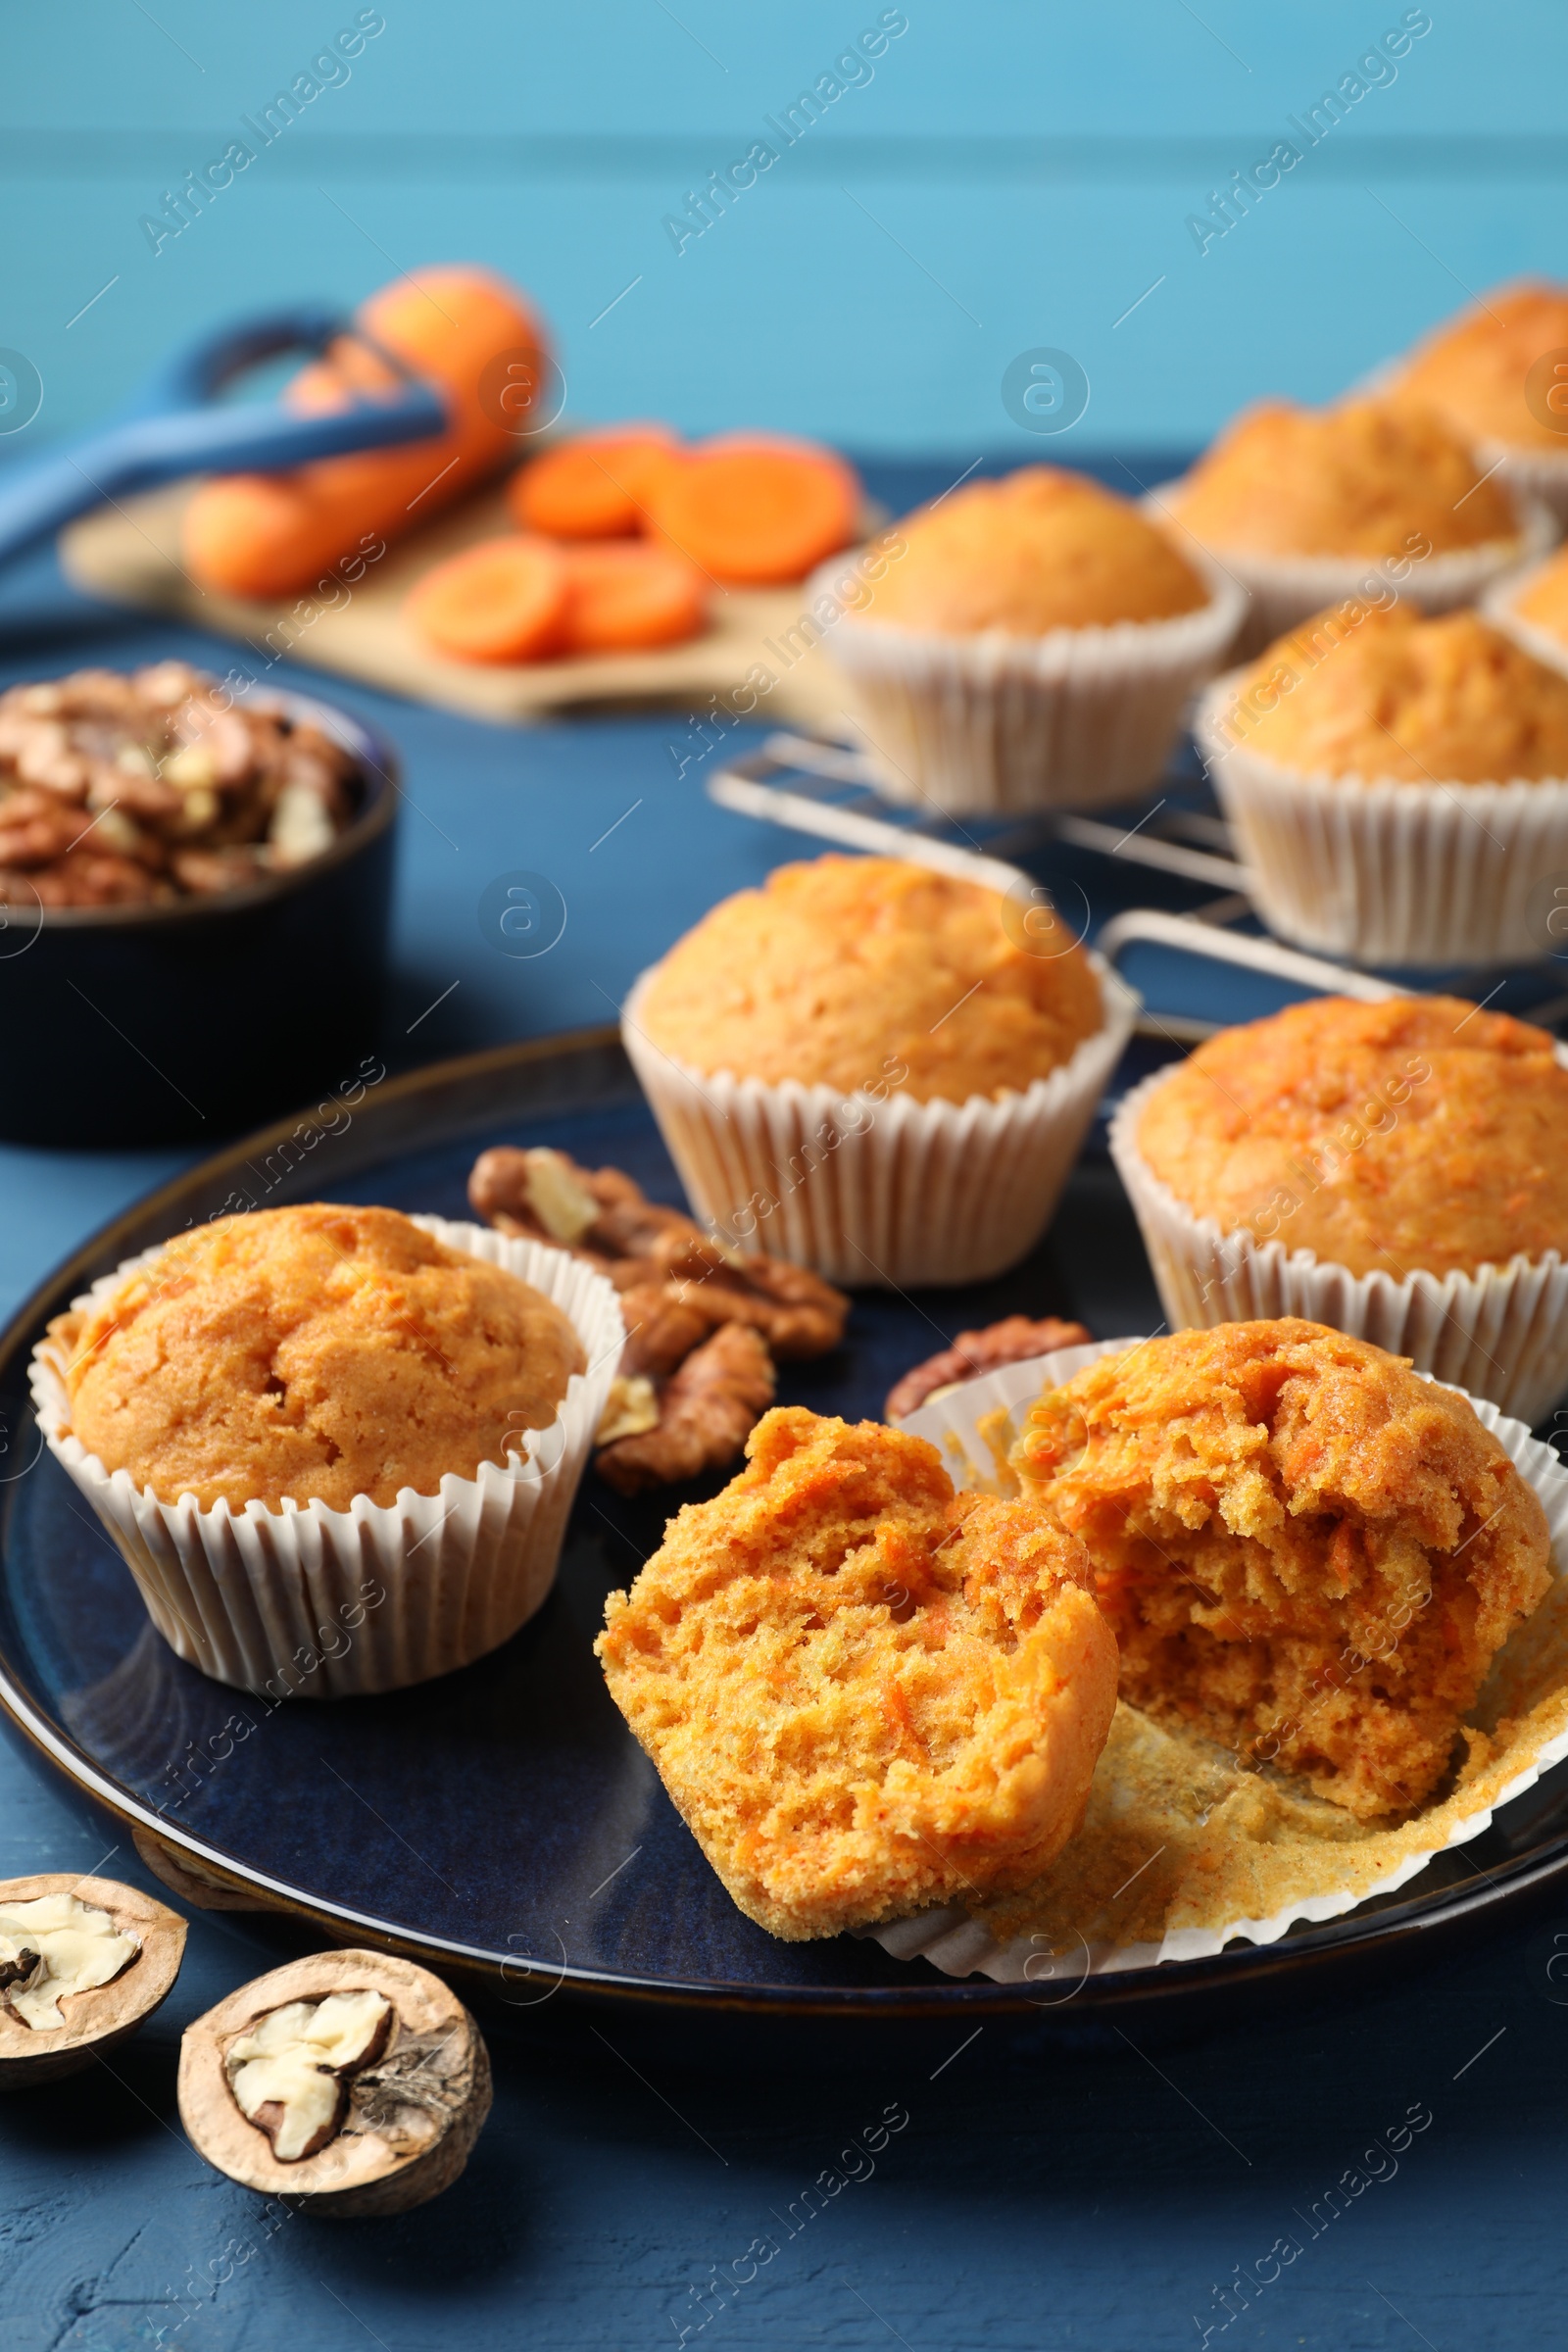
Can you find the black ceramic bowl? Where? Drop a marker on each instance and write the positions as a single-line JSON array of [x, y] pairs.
[[152, 1024]]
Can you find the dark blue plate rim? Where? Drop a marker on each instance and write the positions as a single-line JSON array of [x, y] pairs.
[[454, 1094]]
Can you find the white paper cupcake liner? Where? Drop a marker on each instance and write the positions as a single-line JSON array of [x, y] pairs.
[[1540, 474], [1500, 1333], [1071, 719], [886, 1192], [1500, 604], [1384, 872], [309, 1601], [1285, 590], [962, 1946]]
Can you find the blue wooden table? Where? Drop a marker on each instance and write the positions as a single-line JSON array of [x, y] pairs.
[[1391, 2174]]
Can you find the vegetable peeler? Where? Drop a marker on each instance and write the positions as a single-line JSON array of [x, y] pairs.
[[176, 424]]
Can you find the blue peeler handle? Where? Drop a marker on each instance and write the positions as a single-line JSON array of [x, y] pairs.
[[174, 426]]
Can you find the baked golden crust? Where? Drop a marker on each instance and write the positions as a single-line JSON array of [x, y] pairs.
[[1474, 369], [1308, 1553], [1362, 480], [864, 1693], [1042, 549], [1355, 692], [871, 975], [1415, 1133], [317, 1353]]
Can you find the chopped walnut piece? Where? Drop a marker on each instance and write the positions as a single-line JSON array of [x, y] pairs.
[[1009, 1341], [707, 1413], [680, 1289]]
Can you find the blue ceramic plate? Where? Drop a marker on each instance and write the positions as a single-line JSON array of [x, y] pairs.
[[504, 1819]]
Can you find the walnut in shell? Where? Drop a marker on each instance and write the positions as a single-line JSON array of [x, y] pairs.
[[353, 2082], [82, 1962]]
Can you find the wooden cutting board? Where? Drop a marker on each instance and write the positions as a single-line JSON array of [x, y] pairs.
[[131, 554]]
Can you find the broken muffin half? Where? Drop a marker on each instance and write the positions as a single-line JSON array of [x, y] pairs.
[[864, 1693], [1308, 1553]]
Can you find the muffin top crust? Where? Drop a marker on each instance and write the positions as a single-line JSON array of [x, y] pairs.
[[1390, 694], [1415, 1133], [317, 1353], [1474, 369], [872, 973], [1363, 479], [1042, 549], [1308, 1553]]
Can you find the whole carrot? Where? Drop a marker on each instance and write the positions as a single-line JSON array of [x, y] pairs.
[[270, 535]]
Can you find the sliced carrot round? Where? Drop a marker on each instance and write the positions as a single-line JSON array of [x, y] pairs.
[[627, 596], [595, 487], [757, 512], [503, 601]]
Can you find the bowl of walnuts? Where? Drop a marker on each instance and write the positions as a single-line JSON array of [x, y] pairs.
[[195, 887]]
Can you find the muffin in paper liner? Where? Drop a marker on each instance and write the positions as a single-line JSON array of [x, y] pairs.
[[1285, 590], [1500, 1333], [1183, 1851], [311, 1601], [883, 1191], [1384, 872], [1073, 719]]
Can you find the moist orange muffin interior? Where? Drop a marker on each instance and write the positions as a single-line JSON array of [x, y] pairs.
[[1415, 1133], [1364, 480], [1308, 1554], [864, 1693], [1474, 369], [869, 972], [319, 1352], [1043, 548], [1390, 695]]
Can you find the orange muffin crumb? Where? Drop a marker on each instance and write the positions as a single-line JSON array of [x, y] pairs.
[[864, 973], [1388, 1137], [315, 1352], [1308, 1553], [1364, 480], [864, 1693], [1390, 695], [1043, 548], [1417, 1133], [1474, 369]]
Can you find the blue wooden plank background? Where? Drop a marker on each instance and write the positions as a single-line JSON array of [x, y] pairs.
[[1002, 178]]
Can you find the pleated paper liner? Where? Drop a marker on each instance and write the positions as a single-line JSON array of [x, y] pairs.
[[1073, 719], [884, 1191], [1285, 590], [1383, 872], [309, 1601], [1500, 1333], [1181, 1851]]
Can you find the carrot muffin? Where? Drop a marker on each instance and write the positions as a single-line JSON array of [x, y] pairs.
[[1362, 480], [314, 1352], [1415, 1132], [1474, 370], [1390, 694], [842, 970], [1024, 644], [1042, 549], [864, 1693], [1308, 1553]]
